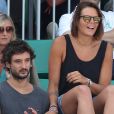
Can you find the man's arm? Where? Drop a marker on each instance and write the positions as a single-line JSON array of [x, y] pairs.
[[109, 36], [57, 2]]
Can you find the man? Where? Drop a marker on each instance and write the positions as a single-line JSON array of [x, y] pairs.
[[17, 94], [108, 22]]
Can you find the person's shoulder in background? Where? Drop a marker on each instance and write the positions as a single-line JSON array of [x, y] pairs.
[[108, 20], [64, 23]]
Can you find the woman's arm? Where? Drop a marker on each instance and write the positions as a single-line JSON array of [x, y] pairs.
[[106, 72], [55, 61], [109, 36]]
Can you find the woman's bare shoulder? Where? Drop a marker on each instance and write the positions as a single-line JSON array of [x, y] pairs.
[[59, 41]]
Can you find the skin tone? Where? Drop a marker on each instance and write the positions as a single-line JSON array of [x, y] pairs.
[[89, 28], [109, 36], [20, 67]]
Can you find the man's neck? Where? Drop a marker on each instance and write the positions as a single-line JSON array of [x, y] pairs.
[[21, 86]]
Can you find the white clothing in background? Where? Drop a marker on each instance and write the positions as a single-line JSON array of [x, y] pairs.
[[66, 20]]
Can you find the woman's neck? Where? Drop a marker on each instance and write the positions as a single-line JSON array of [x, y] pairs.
[[84, 40]]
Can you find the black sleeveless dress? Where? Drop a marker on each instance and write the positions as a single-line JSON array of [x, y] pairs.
[[91, 69]]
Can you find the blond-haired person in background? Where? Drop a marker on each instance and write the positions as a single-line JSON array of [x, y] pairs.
[[7, 34]]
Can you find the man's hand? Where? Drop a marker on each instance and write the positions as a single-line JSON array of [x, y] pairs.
[[33, 111]]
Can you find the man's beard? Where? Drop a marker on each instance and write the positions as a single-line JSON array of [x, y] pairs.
[[16, 75]]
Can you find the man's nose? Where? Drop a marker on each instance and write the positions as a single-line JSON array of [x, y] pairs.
[[23, 64]]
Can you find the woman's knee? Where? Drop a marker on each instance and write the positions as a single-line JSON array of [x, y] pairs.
[[82, 90]]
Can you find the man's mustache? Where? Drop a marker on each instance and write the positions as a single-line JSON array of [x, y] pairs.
[[23, 70]]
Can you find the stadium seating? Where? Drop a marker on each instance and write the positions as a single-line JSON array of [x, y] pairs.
[[42, 50]]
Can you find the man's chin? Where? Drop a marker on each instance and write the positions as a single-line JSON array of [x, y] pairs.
[[25, 74], [21, 77]]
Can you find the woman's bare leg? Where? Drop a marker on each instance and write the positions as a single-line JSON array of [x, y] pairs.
[[104, 102], [78, 101]]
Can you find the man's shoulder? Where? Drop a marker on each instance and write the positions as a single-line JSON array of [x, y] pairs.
[[2, 84], [3, 87], [42, 94], [40, 91]]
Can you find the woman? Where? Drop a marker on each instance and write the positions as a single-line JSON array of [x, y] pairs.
[[81, 64], [7, 34]]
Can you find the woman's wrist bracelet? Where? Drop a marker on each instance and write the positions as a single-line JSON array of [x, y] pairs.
[[53, 108]]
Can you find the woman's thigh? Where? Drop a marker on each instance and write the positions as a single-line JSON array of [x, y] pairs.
[[69, 102], [71, 99]]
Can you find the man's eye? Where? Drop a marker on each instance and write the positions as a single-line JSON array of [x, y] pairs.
[[27, 60], [17, 61]]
